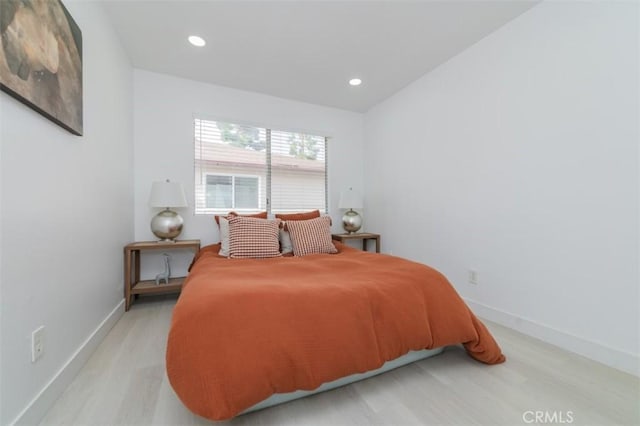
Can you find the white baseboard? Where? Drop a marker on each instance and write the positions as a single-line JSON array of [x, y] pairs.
[[43, 401], [615, 358]]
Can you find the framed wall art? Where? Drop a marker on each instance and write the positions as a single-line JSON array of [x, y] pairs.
[[41, 59]]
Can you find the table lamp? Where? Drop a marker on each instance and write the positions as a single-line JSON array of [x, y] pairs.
[[351, 221], [167, 224]]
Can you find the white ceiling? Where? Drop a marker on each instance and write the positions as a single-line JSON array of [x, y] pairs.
[[305, 50]]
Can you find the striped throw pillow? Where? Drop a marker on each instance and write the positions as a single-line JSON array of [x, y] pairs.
[[311, 236], [253, 238], [285, 239]]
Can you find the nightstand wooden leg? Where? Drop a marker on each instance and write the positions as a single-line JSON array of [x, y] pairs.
[[136, 266], [127, 279]]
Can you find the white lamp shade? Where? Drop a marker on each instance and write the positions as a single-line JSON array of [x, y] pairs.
[[350, 199], [167, 194]]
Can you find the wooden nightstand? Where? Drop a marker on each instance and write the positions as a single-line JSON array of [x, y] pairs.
[[364, 236], [132, 283]]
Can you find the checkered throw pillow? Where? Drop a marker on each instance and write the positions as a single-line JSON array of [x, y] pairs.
[[253, 238], [311, 236]]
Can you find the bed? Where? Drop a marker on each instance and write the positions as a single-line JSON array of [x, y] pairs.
[[248, 333]]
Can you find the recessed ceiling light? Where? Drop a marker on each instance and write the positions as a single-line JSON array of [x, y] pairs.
[[197, 41], [355, 82]]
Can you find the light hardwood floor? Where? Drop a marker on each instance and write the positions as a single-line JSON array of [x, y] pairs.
[[124, 383]]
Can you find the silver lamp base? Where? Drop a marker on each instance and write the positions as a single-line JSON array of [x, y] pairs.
[[351, 221], [167, 225]]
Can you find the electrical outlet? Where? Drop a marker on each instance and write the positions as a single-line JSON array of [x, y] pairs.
[[473, 277], [37, 343]]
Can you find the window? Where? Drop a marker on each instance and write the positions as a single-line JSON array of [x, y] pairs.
[[249, 169]]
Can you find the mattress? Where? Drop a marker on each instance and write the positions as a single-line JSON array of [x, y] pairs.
[[281, 398]]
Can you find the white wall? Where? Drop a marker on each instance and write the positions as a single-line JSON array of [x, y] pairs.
[[2, 345], [66, 212], [164, 109], [519, 158]]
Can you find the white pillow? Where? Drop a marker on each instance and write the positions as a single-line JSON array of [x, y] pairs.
[[223, 224], [285, 242]]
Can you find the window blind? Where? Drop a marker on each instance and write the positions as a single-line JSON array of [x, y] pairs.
[[249, 169]]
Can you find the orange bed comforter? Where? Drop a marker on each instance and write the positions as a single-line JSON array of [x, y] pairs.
[[244, 329]]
